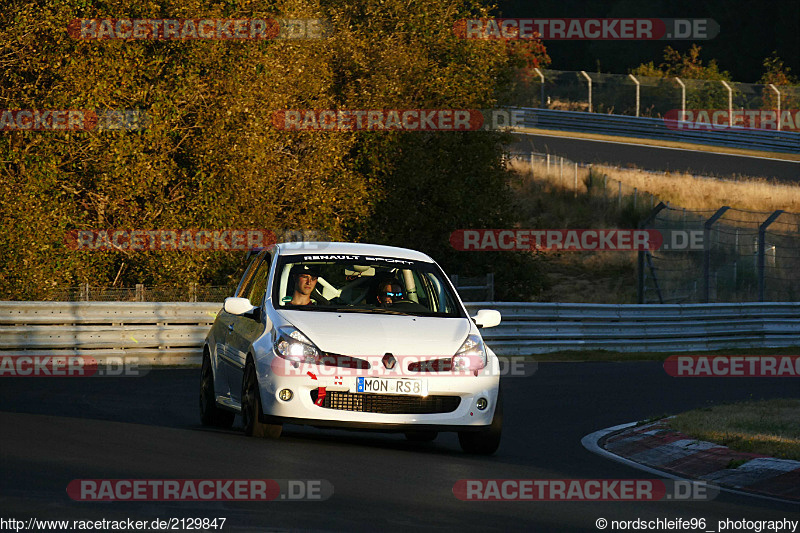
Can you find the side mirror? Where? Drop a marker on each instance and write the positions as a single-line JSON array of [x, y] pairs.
[[237, 306], [487, 318]]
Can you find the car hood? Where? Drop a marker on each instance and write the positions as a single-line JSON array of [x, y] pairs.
[[374, 334]]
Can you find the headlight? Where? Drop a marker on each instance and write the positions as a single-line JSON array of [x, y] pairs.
[[291, 344], [471, 355]]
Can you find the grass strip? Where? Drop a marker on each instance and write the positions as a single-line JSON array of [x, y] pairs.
[[767, 427]]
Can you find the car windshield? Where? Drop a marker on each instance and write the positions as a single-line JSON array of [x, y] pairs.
[[363, 284]]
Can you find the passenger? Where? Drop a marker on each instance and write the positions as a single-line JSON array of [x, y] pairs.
[[389, 291]]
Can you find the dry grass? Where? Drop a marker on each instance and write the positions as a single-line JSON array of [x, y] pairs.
[[684, 190], [768, 427], [603, 197]]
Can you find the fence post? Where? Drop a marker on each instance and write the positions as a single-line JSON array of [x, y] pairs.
[[631, 76], [730, 102], [619, 195], [193, 292], [490, 285], [643, 225], [683, 99], [576, 180], [86, 291], [634, 198], [139, 292], [707, 251], [762, 231], [588, 79], [771, 86], [532, 172], [541, 77], [548, 166], [561, 172]]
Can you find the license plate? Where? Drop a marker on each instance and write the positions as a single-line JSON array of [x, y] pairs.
[[407, 387]]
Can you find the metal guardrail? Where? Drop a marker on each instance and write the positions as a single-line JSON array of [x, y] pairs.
[[155, 333], [655, 128], [173, 333], [548, 327]]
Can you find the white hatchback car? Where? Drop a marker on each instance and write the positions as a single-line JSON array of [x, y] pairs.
[[354, 336]]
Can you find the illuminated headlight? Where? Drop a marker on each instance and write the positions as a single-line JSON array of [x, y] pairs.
[[471, 355], [291, 344]]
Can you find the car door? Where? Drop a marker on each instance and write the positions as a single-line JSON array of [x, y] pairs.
[[227, 359], [247, 329]]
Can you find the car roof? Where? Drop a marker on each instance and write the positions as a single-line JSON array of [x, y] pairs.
[[350, 248]]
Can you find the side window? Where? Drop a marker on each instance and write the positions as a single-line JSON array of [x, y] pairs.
[[259, 284], [241, 290]]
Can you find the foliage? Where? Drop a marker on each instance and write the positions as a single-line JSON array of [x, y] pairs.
[[689, 66], [210, 157]]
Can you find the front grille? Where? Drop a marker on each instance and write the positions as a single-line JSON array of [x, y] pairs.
[[388, 403]]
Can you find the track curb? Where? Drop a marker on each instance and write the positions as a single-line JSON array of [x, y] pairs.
[[657, 449]]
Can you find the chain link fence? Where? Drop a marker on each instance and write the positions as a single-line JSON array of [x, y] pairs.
[[646, 96], [722, 255], [581, 179]]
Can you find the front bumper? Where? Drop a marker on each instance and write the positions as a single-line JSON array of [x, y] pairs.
[[306, 382]]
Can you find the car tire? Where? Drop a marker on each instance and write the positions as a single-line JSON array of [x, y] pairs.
[[421, 436], [251, 407], [484, 442], [210, 412]]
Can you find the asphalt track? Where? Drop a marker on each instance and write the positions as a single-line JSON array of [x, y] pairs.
[[54, 430], [659, 158]]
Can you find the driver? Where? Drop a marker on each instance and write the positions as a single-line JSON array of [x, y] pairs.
[[305, 280], [389, 291]]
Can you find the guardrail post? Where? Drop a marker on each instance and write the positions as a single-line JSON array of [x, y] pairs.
[[588, 79], [490, 286], [730, 102], [762, 233], [643, 225], [541, 77], [771, 86], [707, 251], [631, 76]]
